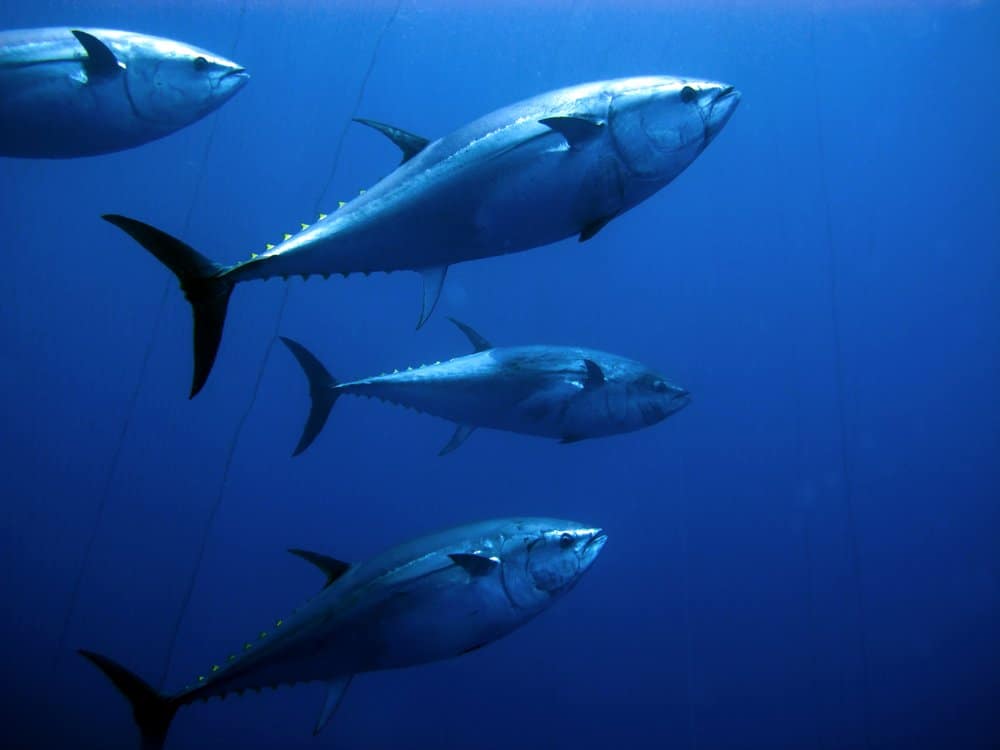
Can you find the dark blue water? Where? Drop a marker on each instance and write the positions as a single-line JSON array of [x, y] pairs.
[[806, 557]]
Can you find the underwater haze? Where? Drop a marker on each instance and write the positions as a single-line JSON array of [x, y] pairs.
[[806, 556]]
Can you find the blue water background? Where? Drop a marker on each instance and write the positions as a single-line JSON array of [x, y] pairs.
[[857, 184]]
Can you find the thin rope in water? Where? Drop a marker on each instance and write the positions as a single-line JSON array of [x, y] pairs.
[[852, 533], [803, 502], [133, 398], [688, 620], [241, 423]]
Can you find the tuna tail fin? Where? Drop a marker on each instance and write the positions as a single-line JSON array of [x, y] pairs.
[[203, 283], [322, 393], [153, 712]]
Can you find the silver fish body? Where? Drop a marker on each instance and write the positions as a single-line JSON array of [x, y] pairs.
[[561, 392], [433, 598], [79, 92], [557, 165]]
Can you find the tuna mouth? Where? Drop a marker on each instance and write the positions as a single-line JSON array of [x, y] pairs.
[[720, 109], [234, 78], [727, 91], [596, 542]]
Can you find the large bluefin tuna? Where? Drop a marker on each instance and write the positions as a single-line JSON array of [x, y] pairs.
[[79, 92], [561, 164], [430, 599], [560, 392]]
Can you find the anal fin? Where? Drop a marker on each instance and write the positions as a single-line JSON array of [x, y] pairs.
[[433, 283], [595, 226], [462, 432], [334, 696]]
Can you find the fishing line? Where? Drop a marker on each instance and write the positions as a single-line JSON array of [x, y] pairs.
[[357, 106], [804, 503], [688, 624], [133, 398], [241, 423], [852, 533]]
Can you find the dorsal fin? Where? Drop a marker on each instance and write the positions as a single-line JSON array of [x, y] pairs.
[[409, 143], [479, 344], [101, 61], [331, 567]]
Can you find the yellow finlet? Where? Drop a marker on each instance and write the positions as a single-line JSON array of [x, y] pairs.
[[253, 255], [263, 634], [361, 192], [286, 237], [215, 667], [341, 204], [279, 623], [231, 657], [201, 678], [322, 216], [304, 226], [247, 646], [269, 246]]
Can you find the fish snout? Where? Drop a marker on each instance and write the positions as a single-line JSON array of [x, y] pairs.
[[233, 78], [720, 108], [679, 398], [592, 548]]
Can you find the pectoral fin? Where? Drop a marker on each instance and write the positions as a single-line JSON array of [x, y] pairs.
[[334, 695], [408, 143], [101, 60], [578, 131], [331, 567], [462, 431], [595, 375], [433, 283], [475, 565]]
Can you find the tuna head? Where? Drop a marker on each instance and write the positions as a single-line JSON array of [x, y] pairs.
[[544, 558], [651, 398], [660, 125], [171, 84], [618, 395]]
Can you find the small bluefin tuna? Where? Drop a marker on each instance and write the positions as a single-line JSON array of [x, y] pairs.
[[558, 165], [79, 92], [560, 392], [434, 598]]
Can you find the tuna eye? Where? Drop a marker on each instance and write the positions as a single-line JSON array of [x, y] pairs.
[[200, 63], [688, 94], [566, 541], [659, 386]]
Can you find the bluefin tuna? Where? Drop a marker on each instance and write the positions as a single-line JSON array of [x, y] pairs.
[[434, 598], [79, 92], [560, 164], [560, 392]]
